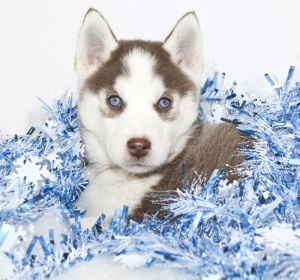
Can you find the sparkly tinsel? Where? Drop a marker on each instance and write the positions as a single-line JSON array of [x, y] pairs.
[[222, 230]]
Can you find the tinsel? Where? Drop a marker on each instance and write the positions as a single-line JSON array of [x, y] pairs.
[[222, 230]]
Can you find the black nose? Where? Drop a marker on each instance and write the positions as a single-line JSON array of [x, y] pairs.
[[138, 147]]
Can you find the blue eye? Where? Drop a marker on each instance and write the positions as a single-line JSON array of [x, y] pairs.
[[115, 101], [164, 103]]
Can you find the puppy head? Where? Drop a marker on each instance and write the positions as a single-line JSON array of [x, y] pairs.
[[138, 99]]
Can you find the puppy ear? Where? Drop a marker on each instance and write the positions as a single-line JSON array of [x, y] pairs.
[[185, 46], [94, 44]]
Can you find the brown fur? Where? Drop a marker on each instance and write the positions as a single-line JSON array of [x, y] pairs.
[[212, 146], [173, 77]]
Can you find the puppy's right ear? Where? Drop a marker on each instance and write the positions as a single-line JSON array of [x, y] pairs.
[[94, 45], [185, 46]]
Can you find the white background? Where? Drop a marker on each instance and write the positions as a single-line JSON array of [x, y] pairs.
[[245, 39]]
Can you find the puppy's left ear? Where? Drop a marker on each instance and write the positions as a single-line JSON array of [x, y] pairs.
[[185, 46]]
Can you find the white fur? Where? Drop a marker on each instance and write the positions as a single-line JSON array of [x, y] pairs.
[[112, 189], [106, 138], [112, 182]]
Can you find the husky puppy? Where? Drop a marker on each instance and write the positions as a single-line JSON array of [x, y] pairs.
[[138, 108]]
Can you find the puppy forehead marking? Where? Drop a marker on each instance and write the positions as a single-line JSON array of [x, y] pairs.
[[171, 75], [141, 79], [140, 63]]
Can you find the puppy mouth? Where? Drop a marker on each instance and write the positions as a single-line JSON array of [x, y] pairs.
[[133, 161], [138, 164], [138, 167]]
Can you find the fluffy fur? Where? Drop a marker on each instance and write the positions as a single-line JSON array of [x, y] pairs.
[[139, 75]]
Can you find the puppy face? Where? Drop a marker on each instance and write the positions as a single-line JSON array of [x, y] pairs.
[[138, 100]]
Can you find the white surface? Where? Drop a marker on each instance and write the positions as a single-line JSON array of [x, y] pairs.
[[245, 39]]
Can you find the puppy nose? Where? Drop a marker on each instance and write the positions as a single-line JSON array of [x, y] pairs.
[[138, 147]]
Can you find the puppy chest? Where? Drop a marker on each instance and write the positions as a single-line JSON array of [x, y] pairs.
[[118, 188]]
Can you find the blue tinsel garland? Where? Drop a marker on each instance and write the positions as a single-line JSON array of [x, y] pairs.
[[221, 230]]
